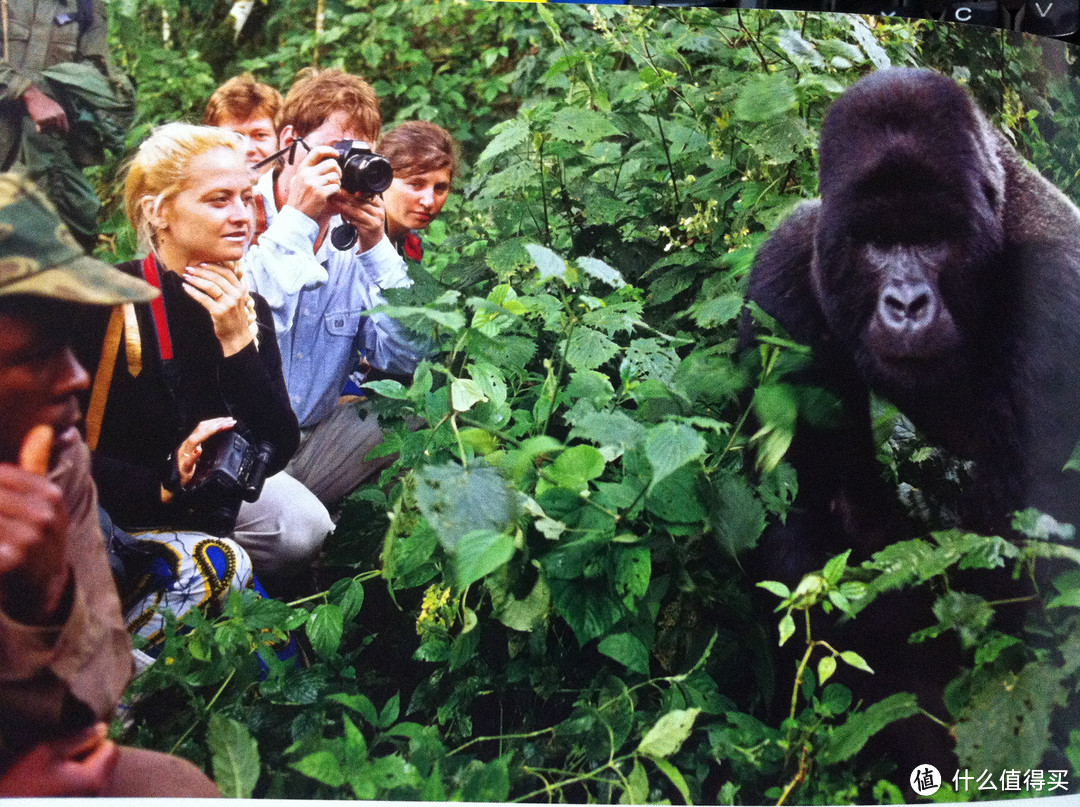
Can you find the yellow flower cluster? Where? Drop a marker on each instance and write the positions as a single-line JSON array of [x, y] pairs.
[[436, 611]]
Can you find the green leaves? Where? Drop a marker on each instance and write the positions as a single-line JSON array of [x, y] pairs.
[[669, 733], [325, 627], [480, 552], [764, 98], [669, 447], [549, 264], [847, 740], [456, 500], [234, 755], [574, 467], [588, 349]]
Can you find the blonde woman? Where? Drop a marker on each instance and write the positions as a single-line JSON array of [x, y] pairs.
[[200, 360]]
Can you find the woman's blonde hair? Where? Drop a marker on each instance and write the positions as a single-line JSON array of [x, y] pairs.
[[160, 166]]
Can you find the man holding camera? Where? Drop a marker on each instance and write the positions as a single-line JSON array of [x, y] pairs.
[[65, 656], [318, 284]]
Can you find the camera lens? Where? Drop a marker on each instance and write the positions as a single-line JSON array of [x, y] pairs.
[[366, 173]]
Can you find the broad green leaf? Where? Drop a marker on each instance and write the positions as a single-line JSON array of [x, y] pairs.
[[670, 446], [717, 311], [847, 740], [580, 125], [352, 600], [456, 500], [322, 766], [388, 389], [324, 628], [464, 393], [669, 733], [602, 272], [1007, 722], [234, 754], [575, 466], [799, 49], [591, 385], [510, 135], [549, 264], [525, 614], [478, 553], [633, 572], [764, 97], [738, 516], [358, 703], [864, 35], [834, 569], [615, 432], [391, 711], [628, 650], [611, 319], [637, 790], [588, 348], [587, 607], [650, 358], [677, 779]]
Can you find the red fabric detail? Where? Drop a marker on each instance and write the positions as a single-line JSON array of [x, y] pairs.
[[414, 250], [157, 306]]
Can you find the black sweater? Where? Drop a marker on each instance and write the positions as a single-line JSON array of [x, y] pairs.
[[144, 424]]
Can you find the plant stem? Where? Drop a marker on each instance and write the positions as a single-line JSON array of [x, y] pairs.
[[209, 705]]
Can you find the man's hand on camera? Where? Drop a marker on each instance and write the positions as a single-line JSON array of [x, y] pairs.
[[315, 181], [46, 114], [364, 212], [33, 533]]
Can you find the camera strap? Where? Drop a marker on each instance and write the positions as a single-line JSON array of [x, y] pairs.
[[157, 307], [123, 325]]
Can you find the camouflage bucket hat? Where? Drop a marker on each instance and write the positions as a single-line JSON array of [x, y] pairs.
[[39, 256]]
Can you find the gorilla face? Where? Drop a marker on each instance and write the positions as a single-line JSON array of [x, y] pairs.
[[910, 231]]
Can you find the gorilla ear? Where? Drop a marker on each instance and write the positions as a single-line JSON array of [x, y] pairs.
[[1035, 210]]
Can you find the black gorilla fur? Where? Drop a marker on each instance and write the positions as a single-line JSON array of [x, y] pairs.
[[941, 272]]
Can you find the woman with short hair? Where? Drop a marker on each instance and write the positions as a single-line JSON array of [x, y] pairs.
[[200, 361]]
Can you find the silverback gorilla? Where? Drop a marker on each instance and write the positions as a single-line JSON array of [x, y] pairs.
[[943, 273]]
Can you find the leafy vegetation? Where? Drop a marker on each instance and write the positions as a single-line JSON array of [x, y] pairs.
[[543, 597]]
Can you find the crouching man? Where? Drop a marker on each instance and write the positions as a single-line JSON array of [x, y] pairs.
[[65, 656]]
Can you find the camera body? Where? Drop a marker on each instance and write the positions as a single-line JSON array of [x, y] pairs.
[[231, 470], [362, 170]]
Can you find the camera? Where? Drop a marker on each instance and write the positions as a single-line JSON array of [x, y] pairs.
[[362, 170], [231, 470]]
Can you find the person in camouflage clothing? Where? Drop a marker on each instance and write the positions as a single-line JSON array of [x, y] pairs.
[[62, 102], [64, 653]]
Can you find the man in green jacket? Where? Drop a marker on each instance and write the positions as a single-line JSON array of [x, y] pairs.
[[61, 102]]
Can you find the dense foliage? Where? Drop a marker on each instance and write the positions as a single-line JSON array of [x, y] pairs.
[[543, 598]]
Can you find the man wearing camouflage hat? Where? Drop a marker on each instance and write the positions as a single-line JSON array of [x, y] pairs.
[[65, 657]]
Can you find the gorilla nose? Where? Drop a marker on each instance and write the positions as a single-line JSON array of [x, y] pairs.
[[906, 305]]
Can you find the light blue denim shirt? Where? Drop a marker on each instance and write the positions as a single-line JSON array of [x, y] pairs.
[[319, 300]]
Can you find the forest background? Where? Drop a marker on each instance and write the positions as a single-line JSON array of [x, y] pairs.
[[543, 598]]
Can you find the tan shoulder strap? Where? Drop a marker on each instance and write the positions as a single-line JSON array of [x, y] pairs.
[[95, 411]]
